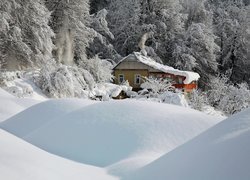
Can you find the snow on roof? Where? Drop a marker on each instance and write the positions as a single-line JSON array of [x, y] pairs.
[[190, 76]]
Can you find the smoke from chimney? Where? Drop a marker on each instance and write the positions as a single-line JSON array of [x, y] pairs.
[[142, 42]]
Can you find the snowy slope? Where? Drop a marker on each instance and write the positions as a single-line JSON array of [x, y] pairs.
[[21, 160], [42, 114], [119, 135], [221, 153], [10, 105]]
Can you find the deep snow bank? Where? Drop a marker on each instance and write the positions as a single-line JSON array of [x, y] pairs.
[[42, 114], [21, 160], [221, 153], [10, 105], [123, 135]]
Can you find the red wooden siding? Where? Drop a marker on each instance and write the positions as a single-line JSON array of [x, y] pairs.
[[185, 87]]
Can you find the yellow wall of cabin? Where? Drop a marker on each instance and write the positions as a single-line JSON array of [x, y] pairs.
[[130, 76]]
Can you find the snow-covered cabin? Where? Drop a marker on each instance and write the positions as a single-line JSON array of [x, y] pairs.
[[136, 65]]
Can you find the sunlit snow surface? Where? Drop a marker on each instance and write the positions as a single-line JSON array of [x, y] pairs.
[[10, 105], [20, 160], [118, 135], [221, 153]]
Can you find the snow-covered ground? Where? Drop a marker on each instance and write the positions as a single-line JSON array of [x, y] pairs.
[[118, 135], [221, 153], [212, 111], [20, 160], [18, 92], [10, 105], [122, 139]]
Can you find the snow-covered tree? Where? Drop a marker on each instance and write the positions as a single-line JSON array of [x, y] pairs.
[[101, 70], [124, 23], [101, 44], [198, 12], [130, 20], [198, 52], [25, 36], [196, 49], [167, 19], [100, 23], [78, 74], [232, 24], [97, 5], [70, 21], [203, 48]]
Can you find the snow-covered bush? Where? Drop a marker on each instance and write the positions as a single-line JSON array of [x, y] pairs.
[[106, 91], [161, 90], [218, 89], [198, 100], [61, 81], [66, 81], [19, 91], [8, 76], [175, 98], [155, 87], [228, 97], [19, 83], [7, 82], [222, 96], [236, 99]]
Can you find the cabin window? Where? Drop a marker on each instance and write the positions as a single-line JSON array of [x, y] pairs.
[[168, 76], [137, 79], [121, 78], [180, 80]]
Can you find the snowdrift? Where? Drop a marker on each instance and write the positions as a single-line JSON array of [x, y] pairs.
[[10, 105], [120, 135], [21, 160], [41, 114], [221, 153]]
